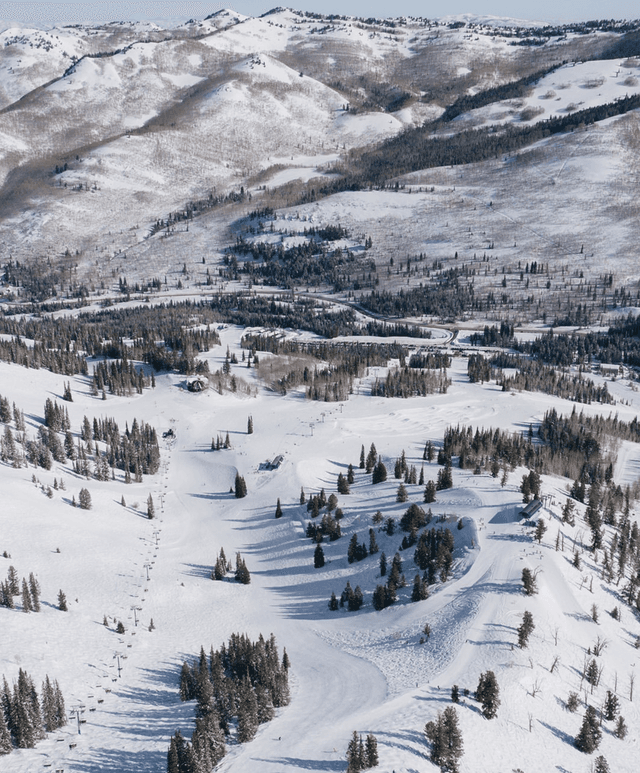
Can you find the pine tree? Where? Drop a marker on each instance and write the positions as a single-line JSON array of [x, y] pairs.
[[5, 736], [621, 728], [371, 751], [27, 605], [529, 582], [589, 736], [401, 494], [84, 499], [343, 484], [354, 760], [488, 693], [333, 602], [151, 510], [240, 488], [446, 740], [13, 582], [379, 474], [430, 492], [611, 706], [350, 475], [250, 425], [62, 602], [303, 498], [541, 528], [242, 573], [34, 589], [318, 557], [278, 509], [600, 765], [362, 458], [525, 629]]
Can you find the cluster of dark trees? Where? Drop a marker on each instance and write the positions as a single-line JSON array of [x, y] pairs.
[[168, 337], [120, 377], [411, 382], [223, 566], [243, 681], [135, 451], [434, 554], [194, 208], [571, 446], [534, 376], [619, 344], [362, 754], [29, 591], [25, 716]]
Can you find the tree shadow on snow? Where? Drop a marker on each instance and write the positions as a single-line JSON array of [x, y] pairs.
[[406, 740], [337, 765], [119, 760], [558, 733]]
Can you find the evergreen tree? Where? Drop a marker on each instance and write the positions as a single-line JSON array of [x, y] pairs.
[[333, 602], [242, 573], [541, 528], [611, 706], [27, 605], [278, 509], [401, 494], [529, 582], [621, 728], [12, 581], [343, 484], [600, 765], [455, 694], [373, 544], [250, 425], [303, 498], [350, 475], [371, 751], [446, 740], [151, 510], [34, 590], [247, 713], [240, 487], [488, 693], [372, 457], [318, 557], [445, 478], [362, 458], [379, 474], [525, 629], [589, 736], [5, 736], [383, 564], [84, 499], [62, 602], [354, 757]]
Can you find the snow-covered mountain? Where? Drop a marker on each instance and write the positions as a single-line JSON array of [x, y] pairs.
[[163, 189]]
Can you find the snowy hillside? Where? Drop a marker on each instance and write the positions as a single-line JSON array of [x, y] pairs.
[[326, 299]]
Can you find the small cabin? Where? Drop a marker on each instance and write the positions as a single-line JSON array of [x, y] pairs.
[[531, 509]]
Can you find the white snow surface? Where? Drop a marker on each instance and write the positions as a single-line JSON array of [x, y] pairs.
[[364, 671]]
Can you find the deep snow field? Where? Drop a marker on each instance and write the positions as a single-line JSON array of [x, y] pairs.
[[365, 670]]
